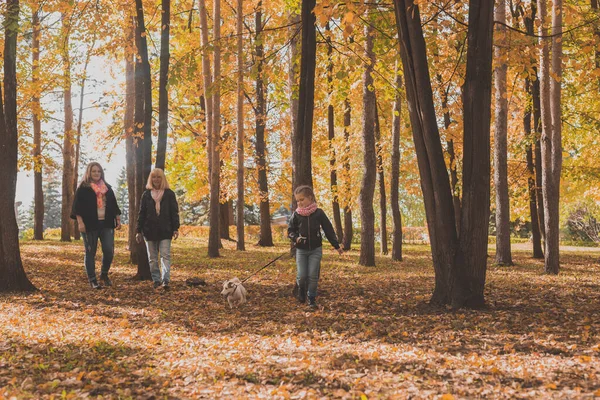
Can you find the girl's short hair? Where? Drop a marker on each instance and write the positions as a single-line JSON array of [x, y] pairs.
[[157, 172], [305, 190], [87, 176]]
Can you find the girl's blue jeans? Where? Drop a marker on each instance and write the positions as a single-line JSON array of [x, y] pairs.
[[162, 249], [308, 266]]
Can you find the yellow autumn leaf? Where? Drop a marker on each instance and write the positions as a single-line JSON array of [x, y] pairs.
[[447, 396]]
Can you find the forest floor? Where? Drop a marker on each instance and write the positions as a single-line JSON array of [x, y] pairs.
[[373, 335]]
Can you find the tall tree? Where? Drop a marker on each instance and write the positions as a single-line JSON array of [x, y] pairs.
[[77, 155], [395, 173], [266, 238], [130, 142], [471, 257], [67, 183], [503, 251], [38, 198], [214, 241], [302, 140], [337, 218], [348, 226], [143, 128], [550, 76], [12, 274], [532, 108], [367, 188], [163, 94], [459, 266], [240, 128], [381, 181]]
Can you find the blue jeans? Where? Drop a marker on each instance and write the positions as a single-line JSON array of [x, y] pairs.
[[308, 265], [90, 241], [164, 248]]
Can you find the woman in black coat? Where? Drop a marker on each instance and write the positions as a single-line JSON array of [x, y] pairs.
[[157, 224], [97, 213]]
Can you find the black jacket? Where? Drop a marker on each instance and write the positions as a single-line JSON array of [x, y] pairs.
[[158, 227], [85, 205], [310, 229]]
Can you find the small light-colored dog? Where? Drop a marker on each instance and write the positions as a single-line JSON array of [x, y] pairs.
[[235, 292]]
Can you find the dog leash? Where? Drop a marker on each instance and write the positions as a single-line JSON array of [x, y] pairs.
[[265, 266]]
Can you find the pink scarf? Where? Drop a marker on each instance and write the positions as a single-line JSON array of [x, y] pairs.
[[306, 211], [157, 196], [100, 189]]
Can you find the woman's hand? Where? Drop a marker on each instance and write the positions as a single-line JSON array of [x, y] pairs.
[[118, 224], [81, 227], [138, 237], [175, 235], [340, 250]]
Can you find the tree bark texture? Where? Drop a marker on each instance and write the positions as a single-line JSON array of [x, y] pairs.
[[130, 152], [471, 257], [241, 244], [266, 237], [301, 157], [367, 188], [348, 226], [67, 178], [395, 174], [12, 274], [163, 91], [435, 184], [142, 123], [294, 33], [381, 181], [503, 249], [38, 197], [333, 181]]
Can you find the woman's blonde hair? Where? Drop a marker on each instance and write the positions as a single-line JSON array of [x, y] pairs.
[[87, 176], [157, 172]]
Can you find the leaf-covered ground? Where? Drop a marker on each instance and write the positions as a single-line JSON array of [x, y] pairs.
[[373, 336]]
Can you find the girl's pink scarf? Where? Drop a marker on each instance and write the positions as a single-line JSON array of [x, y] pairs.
[[306, 211], [100, 189], [157, 196]]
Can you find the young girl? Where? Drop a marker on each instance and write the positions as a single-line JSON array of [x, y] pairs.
[[97, 213], [158, 223], [304, 230]]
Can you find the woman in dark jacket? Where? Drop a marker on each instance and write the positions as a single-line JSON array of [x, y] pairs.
[[158, 223], [97, 213]]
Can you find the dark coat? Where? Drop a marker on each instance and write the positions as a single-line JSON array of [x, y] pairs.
[[310, 229], [158, 227], [85, 206]]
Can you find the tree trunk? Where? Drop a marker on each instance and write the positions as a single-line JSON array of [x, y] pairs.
[[503, 250], [302, 141], [76, 233], [38, 224], [596, 8], [67, 179], [130, 151], [293, 96], [266, 238], [224, 220], [367, 188], [12, 274], [337, 218], [471, 257], [348, 226], [381, 180], [163, 94], [551, 140], [452, 159], [240, 129], [532, 90], [537, 125], [143, 124], [435, 184], [395, 173]]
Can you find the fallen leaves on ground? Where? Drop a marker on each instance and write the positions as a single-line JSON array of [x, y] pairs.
[[373, 335]]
